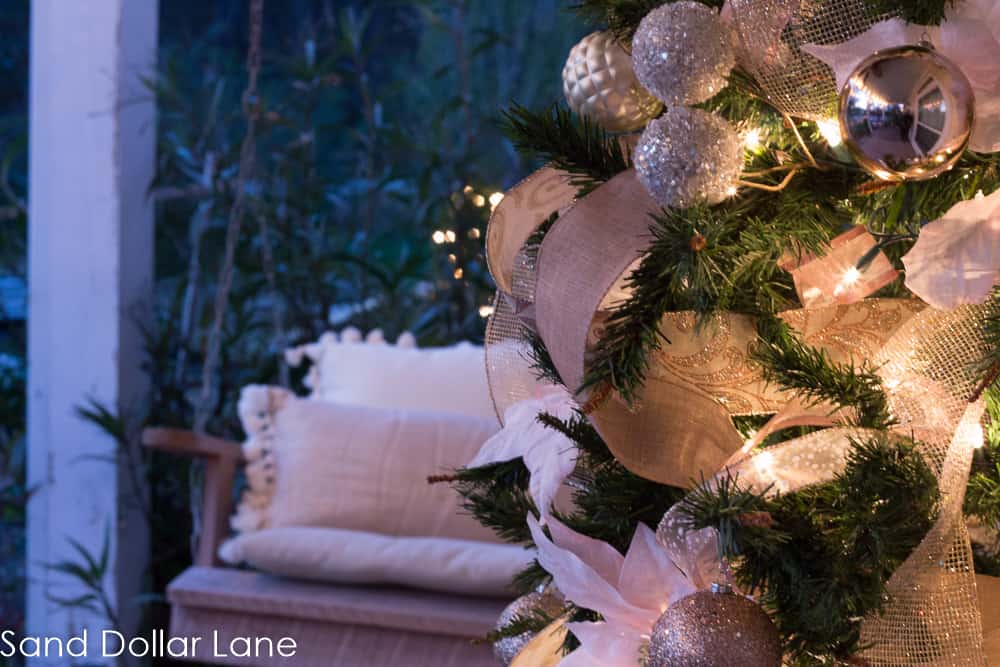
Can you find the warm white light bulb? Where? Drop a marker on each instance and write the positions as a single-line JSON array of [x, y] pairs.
[[830, 129], [851, 276], [485, 311], [847, 281], [764, 462], [438, 237], [495, 199], [752, 139]]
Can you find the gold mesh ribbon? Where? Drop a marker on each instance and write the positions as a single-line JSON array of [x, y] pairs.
[[770, 34], [931, 616], [928, 370]]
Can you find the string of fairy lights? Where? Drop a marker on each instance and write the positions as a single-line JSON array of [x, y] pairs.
[[445, 237]]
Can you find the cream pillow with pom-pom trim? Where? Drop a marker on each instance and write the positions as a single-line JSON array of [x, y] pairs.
[[366, 370], [312, 463]]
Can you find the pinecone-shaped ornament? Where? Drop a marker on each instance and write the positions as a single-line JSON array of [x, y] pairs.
[[599, 83]]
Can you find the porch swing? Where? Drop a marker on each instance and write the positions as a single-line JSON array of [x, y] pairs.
[[347, 625]]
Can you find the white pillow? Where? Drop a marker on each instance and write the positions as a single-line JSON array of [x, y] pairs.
[[349, 370], [356, 557], [312, 463]]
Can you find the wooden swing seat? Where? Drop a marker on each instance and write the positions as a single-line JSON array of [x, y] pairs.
[[331, 624]]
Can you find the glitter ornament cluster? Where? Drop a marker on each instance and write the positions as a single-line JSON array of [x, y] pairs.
[[689, 156], [682, 52], [709, 629], [599, 83]]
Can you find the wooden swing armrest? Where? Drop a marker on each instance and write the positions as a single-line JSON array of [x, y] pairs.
[[188, 443], [221, 459]]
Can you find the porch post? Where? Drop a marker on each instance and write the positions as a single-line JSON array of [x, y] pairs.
[[92, 144]]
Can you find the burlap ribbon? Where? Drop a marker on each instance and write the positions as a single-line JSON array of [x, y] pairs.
[[680, 428]]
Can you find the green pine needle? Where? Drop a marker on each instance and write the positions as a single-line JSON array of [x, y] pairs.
[[823, 562], [575, 145]]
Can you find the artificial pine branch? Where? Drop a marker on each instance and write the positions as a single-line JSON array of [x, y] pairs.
[[904, 207], [582, 433], [809, 371], [497, 496], [572, 144], [734, 264], [531, 578], [703, 260], [822, 561], [540, 359], [990, 364], [609, 500], [534, 621], [982, 496]]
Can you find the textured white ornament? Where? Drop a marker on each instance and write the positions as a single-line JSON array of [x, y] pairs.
[[599, 83], [682, 52], [689, 156]]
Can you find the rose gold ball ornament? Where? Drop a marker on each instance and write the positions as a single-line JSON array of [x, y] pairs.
[[507, 648], [906, 113], [599, 83], [713, 628]]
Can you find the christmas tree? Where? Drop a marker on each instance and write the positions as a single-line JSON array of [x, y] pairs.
[[747, 319]]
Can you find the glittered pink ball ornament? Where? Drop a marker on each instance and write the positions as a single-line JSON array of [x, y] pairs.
[[714, 628]]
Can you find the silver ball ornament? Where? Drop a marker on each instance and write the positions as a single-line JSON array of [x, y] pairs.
[[906, 113], [599, 83], [709, 629], [689, 156], [682, 52], [507, 648]]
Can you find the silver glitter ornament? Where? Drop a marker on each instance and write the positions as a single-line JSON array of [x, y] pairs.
[[599, 83], [682, 52], [506, 649], [689, 156], [906, 113], [714, 628]]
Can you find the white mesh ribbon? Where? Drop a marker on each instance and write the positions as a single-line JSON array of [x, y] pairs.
[[931, 616]]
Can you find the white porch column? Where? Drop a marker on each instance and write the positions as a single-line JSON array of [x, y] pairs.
[[92, 144]]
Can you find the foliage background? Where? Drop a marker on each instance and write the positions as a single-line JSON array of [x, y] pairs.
[[379, 128]]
